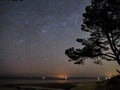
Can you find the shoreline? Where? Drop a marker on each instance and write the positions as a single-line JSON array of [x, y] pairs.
[[47, 86]]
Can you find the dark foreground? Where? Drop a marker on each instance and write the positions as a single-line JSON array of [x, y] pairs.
[[40, 86], [111, 84]]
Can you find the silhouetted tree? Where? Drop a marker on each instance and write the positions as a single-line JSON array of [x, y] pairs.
[[102, 20]]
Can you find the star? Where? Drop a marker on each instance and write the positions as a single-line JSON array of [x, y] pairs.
[[20, 42], [43, 31], [64, 23]]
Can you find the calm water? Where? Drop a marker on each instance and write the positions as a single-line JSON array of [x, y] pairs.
[[29, 81]]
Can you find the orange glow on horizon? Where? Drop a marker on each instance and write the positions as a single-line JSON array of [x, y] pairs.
[[109, 75], [61, 76]]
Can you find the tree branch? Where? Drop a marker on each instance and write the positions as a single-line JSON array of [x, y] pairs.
[[109, 56], [113, 43], [110, 42]]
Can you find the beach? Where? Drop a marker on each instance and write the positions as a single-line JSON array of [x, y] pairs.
[[87, 84], [52, 86]]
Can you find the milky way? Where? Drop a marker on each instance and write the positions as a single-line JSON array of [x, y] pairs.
[[35, 33]]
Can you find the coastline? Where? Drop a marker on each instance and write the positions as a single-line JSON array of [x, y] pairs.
[[51, 86]]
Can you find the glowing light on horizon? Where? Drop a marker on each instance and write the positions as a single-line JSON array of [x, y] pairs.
[[62, 76], [66, 78], [109, 75], [98, 78], [106, 78], [43, 78]]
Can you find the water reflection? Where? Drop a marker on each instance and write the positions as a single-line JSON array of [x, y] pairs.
[[32, 81]]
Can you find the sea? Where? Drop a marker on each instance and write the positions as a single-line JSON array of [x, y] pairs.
[[33, 81]]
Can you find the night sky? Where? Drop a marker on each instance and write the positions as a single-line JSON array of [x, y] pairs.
[[34, 35]]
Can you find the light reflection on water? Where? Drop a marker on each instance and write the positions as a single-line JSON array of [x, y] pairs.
[[29, 81]]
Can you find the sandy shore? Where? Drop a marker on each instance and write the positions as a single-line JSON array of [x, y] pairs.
[[51, 86], [39, 86], [110, 84]]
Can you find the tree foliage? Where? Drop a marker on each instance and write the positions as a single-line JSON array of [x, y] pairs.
[[102, 20]]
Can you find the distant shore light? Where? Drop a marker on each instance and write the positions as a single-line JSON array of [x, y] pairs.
[[98, 78], [43, 77], [66, 78], [106, 78]]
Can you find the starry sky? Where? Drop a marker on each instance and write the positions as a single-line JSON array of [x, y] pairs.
[[34, 35]]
